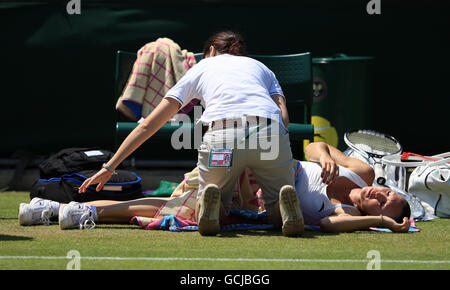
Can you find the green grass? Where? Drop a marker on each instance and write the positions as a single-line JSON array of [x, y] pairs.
[[129, 241]]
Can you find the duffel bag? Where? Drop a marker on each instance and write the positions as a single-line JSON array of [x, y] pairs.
[[124, 185]]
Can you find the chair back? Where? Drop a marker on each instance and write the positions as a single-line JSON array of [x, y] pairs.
[[294, 73]]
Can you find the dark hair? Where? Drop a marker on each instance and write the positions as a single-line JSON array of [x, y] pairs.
[[226, 42], [406, 212]]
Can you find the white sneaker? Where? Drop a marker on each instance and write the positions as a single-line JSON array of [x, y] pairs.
[[37, 212], [291, 212], [208, 216], [76, 214]]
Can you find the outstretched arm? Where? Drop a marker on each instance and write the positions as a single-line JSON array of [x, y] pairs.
[[329, 157], [165, 110], [149, 126], [350, 223]]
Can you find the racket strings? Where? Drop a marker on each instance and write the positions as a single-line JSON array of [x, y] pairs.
[[374, 143]]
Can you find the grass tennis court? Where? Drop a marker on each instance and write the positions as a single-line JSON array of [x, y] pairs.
[[116, 246]]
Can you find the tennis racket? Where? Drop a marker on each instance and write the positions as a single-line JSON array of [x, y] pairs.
[[373, 145]]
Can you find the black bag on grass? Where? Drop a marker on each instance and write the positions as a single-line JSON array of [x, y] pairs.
[[72, 160], [124, 185]]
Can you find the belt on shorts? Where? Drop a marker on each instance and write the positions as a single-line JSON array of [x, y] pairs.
[[235, 123], [238, 122]]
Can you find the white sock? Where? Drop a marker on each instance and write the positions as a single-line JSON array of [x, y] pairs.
[[55, 208], [93, 209]]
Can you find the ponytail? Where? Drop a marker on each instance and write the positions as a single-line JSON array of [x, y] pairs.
[[226, 42]]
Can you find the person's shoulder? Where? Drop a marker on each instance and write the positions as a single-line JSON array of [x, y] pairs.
[[211, 62], [255, 61], [347, 211], [261, 65], [198, 68]]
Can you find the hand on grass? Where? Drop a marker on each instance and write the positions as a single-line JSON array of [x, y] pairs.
[[100, 178]]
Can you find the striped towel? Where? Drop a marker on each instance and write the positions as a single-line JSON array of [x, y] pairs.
[[158, 67]]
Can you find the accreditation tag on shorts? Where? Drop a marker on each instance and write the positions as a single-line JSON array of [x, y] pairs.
[[220, 158]]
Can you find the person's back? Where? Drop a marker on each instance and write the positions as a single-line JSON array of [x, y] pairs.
[[230, 87]]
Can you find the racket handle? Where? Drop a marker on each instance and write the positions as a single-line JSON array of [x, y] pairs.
[[379, 173]]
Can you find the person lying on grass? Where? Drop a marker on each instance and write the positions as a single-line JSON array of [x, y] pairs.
[[332, 189], [334, 193]]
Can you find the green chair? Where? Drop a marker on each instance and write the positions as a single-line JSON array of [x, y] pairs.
[[294, 73]]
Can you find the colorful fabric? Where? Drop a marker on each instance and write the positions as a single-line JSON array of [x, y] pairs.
[[177, 214], [247, 196], [158, 67], [172, 223]]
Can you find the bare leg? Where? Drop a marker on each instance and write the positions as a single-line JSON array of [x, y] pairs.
[[110, 211]]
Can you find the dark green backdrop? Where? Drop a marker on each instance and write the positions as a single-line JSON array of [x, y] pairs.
[[57, 70]]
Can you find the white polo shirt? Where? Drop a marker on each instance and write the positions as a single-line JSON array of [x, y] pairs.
[[230, 86]]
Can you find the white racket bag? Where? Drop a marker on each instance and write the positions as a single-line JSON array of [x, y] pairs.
[[431, 184], [396, 173], [427, 179]]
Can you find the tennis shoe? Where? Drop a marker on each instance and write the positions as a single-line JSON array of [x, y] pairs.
[[76, 214], [37, 212], [291, 212], [208, 216]]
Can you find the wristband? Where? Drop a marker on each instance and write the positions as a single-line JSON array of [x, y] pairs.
[[109, 168]]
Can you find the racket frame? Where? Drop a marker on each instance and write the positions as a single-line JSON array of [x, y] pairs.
[[376, 158]]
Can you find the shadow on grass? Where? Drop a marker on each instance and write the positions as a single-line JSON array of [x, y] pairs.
[[306, 234], [14, 238], [110, 226]]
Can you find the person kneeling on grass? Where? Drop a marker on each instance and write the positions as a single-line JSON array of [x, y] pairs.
[[332, 190]]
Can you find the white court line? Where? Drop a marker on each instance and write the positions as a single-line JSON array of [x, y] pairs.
[[230, 259]]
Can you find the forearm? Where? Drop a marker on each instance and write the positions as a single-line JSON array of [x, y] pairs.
[[281, 103], [317, 150], [135, 139], [284, 116], [149, 126], [348, 223]]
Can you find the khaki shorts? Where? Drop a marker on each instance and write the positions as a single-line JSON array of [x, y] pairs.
[[262, 147]]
